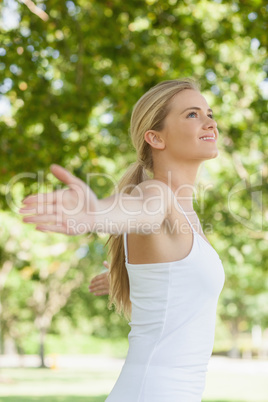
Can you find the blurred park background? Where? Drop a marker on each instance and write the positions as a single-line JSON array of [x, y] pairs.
[[70, 73]]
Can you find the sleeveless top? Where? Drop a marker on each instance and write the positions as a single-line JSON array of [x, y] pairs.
[[172, 326]]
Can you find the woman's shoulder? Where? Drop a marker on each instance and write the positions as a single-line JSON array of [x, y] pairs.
[[153, 187], [157, 195]]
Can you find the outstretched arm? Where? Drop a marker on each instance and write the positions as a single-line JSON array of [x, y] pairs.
[[77, 210]]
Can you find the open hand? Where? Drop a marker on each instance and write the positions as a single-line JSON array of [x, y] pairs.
[[69, 210], [99, 285]]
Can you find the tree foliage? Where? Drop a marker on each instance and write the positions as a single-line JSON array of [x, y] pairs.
[[73, 79]]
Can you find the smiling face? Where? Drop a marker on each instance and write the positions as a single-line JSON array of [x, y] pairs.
[[189, 119]]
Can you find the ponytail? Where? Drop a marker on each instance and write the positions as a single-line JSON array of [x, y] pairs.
[[118, 276]]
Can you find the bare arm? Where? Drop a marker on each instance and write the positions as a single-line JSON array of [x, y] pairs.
[[142, 211], [77, 210]]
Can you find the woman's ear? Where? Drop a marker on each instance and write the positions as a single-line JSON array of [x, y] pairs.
[[154, 139]]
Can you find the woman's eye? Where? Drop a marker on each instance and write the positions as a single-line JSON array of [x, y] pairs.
[[195, 114], [192, 113]]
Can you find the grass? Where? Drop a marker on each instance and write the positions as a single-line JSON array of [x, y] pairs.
[[78, 344], [53, 398], [74, 398], [81, 385], [71, 398]]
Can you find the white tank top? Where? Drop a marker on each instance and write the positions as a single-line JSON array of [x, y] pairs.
[[172, 326]]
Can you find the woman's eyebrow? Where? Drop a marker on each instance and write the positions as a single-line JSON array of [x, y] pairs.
[[196, 108]]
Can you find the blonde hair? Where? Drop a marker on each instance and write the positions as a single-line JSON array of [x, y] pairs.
[[149, 113]]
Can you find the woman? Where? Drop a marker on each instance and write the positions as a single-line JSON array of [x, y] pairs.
[[164, 274]]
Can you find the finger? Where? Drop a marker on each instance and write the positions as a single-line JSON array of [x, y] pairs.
[[93, 290], [105, 263], [30, 210], [41, 219], [65, 176], [99, 282], [98, 278], [97, 287], [48, 198], [93, 284], [55, 229], [101, 293], [38, 209]]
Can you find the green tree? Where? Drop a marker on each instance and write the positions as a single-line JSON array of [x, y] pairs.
[[72, 78]]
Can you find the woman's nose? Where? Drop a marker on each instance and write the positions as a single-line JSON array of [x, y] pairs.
[[210, 123]]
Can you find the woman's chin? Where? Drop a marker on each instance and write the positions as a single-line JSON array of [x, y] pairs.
[[212, 155]]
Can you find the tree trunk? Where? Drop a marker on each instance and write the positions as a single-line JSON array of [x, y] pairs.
[[234, 352], [1, 337], [42, 347]]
